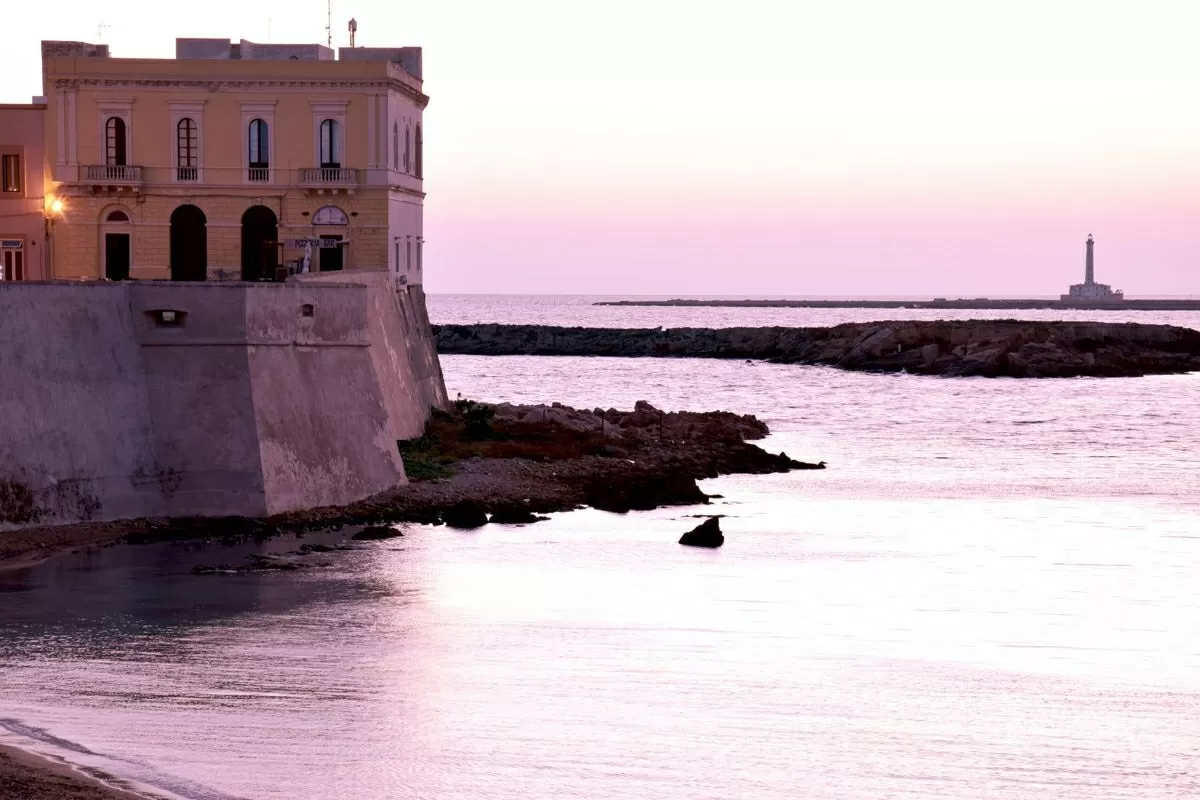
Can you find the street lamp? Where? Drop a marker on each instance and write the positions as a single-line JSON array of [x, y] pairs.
[[53, 210]]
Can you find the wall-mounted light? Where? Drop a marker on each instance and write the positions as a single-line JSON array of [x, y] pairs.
[[54, 207]]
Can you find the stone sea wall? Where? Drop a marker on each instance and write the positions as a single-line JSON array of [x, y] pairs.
[[991, 348], [149, 399]]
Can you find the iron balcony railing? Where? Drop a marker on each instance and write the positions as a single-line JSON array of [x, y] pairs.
[[326, 176], [113, 173]]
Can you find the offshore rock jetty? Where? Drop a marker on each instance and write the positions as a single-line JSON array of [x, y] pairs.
[[478, 464], [977, 303], [988, 348]]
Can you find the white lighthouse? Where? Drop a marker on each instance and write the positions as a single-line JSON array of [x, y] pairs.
[[1089, 291]]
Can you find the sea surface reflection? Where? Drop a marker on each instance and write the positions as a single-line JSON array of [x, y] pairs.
[[989, 594]]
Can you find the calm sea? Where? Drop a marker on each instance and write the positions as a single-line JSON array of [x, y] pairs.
[[990, 593]]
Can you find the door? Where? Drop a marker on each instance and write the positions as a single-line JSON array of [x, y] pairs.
[[116, 256], [260, 251], [331, 257], [12, 263], [189, 244]]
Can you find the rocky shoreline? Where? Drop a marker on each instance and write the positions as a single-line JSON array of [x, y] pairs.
[[983, 348], [482, 463]]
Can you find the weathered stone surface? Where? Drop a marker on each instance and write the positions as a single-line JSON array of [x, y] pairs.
[[706, 534], [987, 348]]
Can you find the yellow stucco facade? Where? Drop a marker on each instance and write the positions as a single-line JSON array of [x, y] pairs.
[[213, 164]]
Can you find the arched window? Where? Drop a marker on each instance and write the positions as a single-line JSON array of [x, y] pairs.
[[331, 144], [117, 216], [420, 167], [330, 215], [395, 145], [186, 150], [407, 149], [116, 152], [259, 150]]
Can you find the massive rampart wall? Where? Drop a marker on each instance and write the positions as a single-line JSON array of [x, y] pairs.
[[172, 399], [402, 347]]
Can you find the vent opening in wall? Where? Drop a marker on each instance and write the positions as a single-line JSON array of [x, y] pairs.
[[307, 310], [167, 317]]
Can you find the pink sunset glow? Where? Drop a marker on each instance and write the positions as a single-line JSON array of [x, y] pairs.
[[768, 148]]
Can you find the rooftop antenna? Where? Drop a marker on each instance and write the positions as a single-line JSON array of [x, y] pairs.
[[100, 32], [353, 30], [329, 23]]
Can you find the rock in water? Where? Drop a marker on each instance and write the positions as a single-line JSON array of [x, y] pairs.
[[515, 515], [465, 514], [706, 534], [373, 533]]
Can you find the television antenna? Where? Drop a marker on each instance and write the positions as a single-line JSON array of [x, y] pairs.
[[353, 30], [329, 23], [100, 32]]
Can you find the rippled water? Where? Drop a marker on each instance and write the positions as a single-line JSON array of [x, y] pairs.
[[990, 593]]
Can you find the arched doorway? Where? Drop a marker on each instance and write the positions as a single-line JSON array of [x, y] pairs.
[[260, 237], [330, 222], [116, 240], [189, 244]]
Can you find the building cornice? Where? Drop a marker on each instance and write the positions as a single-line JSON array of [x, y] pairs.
[[420, 99]]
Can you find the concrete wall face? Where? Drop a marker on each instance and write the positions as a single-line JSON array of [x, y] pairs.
[[402, 349], [23, 253], [221, 97], [76, 440], [242, 404]]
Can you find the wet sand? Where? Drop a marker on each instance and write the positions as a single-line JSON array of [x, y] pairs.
[[26, 776]]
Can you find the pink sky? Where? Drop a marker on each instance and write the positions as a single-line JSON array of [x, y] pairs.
[[781, 148]]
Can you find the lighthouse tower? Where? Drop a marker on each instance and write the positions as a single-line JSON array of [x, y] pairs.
[[1089, 291]]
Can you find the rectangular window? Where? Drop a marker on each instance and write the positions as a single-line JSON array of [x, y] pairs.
[[407, 255], [10, 173], [397, 267], [419, 243]]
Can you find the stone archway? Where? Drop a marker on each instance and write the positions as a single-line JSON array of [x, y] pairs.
[[260, 238], [189, 244]]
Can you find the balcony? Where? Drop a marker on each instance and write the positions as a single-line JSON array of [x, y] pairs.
[[113, 174], [187, 174], [329, 177]]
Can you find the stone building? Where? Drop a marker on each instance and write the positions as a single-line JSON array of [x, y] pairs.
[[23, 252], [234, 161]]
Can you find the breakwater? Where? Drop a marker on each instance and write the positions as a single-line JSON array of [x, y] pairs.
[[962, 304], [990, 348]]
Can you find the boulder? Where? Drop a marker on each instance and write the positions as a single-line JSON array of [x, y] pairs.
[[465, 515], [706, 534], [373, 533], [515, 515]]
